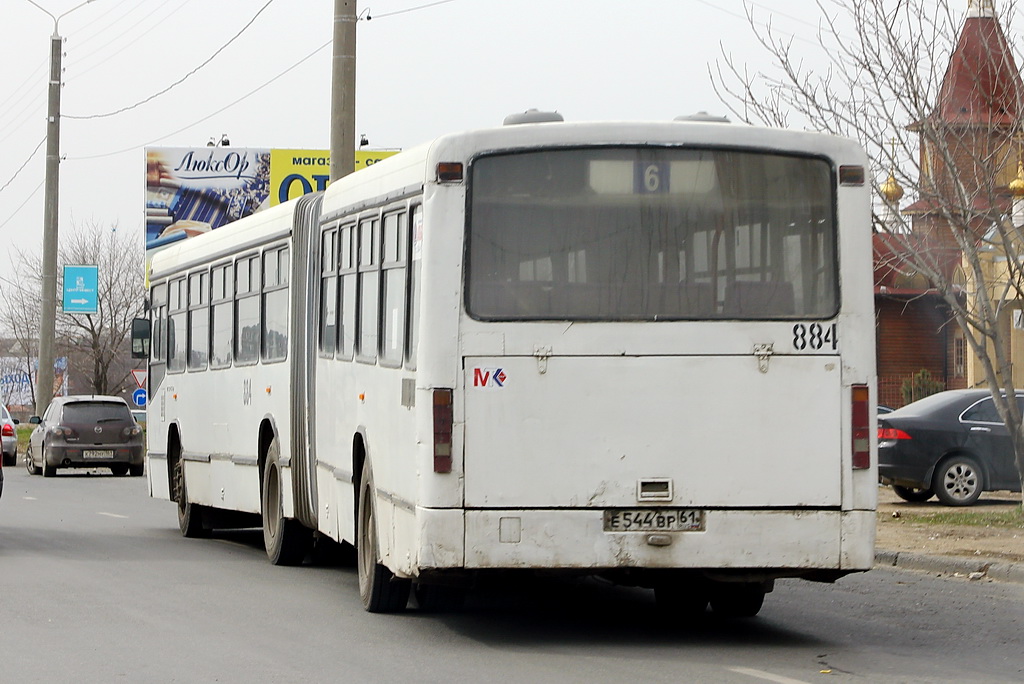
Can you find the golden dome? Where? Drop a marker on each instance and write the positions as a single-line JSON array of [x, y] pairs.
[[1017, 184], [892, 191]]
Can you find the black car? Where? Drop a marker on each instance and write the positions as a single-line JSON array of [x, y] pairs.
[[85, 431], [952, 445]]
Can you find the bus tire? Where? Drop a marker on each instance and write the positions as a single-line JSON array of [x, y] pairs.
[[379, 589], [190, 515], [287, 541], [737, 599], [681, 598], [439, 598]]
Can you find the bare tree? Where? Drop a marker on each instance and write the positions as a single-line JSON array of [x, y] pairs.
[[943, 119], [96, 345]]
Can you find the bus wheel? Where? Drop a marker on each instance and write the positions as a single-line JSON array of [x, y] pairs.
[[287, 540], [439, 598], [379, 589], [737, 599], [190, 515], [681, 598]]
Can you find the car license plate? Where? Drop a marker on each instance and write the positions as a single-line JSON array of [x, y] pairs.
[[97, 453], [654, 520]]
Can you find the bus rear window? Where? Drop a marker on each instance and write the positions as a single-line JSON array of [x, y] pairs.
[[651, 234]]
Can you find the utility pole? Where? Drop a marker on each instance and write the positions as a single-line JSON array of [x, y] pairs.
[[343, 90], [48, 318]]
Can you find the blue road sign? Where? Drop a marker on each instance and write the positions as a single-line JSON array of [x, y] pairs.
[[139, 397], [80, 285]]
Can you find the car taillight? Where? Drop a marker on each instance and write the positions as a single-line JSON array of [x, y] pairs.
[[8, 430], [891, 433], [131, 431], [443, 417], [861, 424], [61, 431]]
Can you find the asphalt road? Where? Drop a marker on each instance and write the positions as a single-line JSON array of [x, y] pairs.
[[98, 586]]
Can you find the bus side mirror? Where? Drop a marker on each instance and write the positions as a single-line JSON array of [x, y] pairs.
[[140, 338]]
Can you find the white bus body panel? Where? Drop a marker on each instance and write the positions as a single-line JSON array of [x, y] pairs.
[[584, 432]]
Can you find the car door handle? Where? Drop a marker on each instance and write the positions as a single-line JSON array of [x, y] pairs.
[[981, 429]]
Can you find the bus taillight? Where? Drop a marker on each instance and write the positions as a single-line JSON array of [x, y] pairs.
[[861, 424], [443, 417]]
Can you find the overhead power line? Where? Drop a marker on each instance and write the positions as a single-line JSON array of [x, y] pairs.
[[20, 168], [180, 80], [15, 213], [211, 114]]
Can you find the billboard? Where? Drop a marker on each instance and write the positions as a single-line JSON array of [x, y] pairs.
[[193, 190], [17, 384]]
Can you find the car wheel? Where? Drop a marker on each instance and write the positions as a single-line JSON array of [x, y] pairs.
[[10, 460], [30, 464], [286, 539], [958, 481], [915, 494], [48, 470], [379, 589], [136, 470], [119, 469]]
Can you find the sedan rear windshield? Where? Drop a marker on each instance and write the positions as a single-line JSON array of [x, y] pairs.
[[651, 233], [95, 412]]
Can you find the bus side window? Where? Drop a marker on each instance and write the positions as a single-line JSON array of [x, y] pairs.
[[177, 339], [393, 294], [158, 347], [198, 320], [247, 311], [369, 288], [328, 328], [221, 329], [274, 328], [415, 254], [347, 293]]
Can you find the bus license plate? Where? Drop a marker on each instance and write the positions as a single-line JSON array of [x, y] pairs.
[[97, 453], [654, 520]]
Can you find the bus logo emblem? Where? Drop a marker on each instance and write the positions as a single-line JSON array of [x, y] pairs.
[[489, 377]]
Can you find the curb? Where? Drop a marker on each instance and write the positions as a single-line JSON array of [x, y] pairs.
[[952, 565]]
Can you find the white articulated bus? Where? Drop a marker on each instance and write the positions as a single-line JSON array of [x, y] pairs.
[[637, 350]]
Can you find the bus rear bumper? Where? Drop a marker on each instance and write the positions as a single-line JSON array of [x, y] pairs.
[[789, 541]]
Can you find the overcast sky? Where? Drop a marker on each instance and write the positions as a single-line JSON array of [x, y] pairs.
[[424, 68]]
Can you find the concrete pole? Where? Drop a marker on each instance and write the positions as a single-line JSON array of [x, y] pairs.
[[47, 322], [343, 90]]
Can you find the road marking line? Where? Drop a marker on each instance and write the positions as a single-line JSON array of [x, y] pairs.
[[30, 498], [767, 676], [111, 515]]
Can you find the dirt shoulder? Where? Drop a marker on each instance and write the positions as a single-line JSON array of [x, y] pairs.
[[900, 528]]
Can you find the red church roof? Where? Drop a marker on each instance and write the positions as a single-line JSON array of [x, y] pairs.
[[982, 84]]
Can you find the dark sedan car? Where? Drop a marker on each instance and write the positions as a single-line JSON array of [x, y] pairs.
[[86, 431], [952, 445]]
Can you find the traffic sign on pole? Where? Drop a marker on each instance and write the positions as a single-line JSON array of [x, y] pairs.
[[80, 285]]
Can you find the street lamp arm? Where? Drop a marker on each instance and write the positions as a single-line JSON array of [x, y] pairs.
[[58, 17]]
